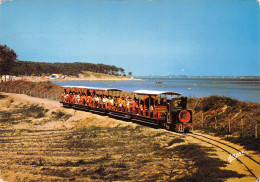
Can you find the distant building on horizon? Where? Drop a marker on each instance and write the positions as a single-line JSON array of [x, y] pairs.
[[56, 76]]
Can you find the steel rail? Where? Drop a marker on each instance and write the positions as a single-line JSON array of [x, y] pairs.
[[228, 146], [225, 151]]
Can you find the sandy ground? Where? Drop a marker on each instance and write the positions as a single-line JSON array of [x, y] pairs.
[[86, 75], [28, 149], [234, 165]]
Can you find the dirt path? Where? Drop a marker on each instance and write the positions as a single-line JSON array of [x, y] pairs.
[[70, 145]]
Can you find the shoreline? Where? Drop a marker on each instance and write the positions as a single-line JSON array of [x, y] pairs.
[[86, 76], [94, 79]]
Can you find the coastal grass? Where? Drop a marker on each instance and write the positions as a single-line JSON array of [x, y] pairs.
[[60, 115], [23, 112], [214, 115], [33, 110], [249, 142]]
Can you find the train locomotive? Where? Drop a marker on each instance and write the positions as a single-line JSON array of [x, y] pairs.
[[162, 108]]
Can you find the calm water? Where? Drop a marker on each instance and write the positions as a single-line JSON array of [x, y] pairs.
[[241, 89]]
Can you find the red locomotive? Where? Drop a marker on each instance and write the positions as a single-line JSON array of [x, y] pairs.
[[143, 105]]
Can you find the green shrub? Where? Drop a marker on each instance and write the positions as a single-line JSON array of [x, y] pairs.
[[33, 110], [61, 114]]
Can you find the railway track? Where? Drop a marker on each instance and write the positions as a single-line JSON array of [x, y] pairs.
[[252, 165]]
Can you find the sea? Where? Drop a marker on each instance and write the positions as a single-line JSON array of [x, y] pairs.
[[241, 88]]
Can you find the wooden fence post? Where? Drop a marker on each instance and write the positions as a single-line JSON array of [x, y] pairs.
[[242, 126], [229, 129], [256, 130], [216, 123], [202, 120]]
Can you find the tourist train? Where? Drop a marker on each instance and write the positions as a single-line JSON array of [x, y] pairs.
[[162, 108]]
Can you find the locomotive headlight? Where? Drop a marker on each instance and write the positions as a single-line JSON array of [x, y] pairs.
[[184, 116], [177, 103]]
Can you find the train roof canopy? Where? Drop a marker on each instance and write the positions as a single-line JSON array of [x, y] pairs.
[[153, 92], [93, 88]]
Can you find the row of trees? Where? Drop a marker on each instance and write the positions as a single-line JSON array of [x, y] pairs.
[[9, 65], [39, 68], [7, 59]]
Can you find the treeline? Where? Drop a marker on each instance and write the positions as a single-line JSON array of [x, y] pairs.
[[73, 69]]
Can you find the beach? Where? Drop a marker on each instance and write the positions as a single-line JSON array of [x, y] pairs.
[[84, 76]]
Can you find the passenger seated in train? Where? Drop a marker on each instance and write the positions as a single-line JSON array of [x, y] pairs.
[[96, 100], [151, 111], [114, 105], [82, 98], [111, 102], [147, 101], [73, 95], [135, 103], [141, 109], [119, 102], [88, 93], [163, 102], [128, 103], [104, 102], [123, 104], [89, 100], [99, 100], [77, 98], [65, 96], [92, 100], [115, 102]]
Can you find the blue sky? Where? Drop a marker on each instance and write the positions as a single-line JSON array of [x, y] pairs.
[[155, 37]]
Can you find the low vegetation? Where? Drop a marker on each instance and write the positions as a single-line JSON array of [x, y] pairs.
[[60, 115], [215, 114], [38, 89], [22, 113]]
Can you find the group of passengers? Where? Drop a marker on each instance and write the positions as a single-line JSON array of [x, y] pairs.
[[125, 103]]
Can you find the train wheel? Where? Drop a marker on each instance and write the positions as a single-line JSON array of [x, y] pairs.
[[165, 125], [187, 130], [168, 127], [161, 124]]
